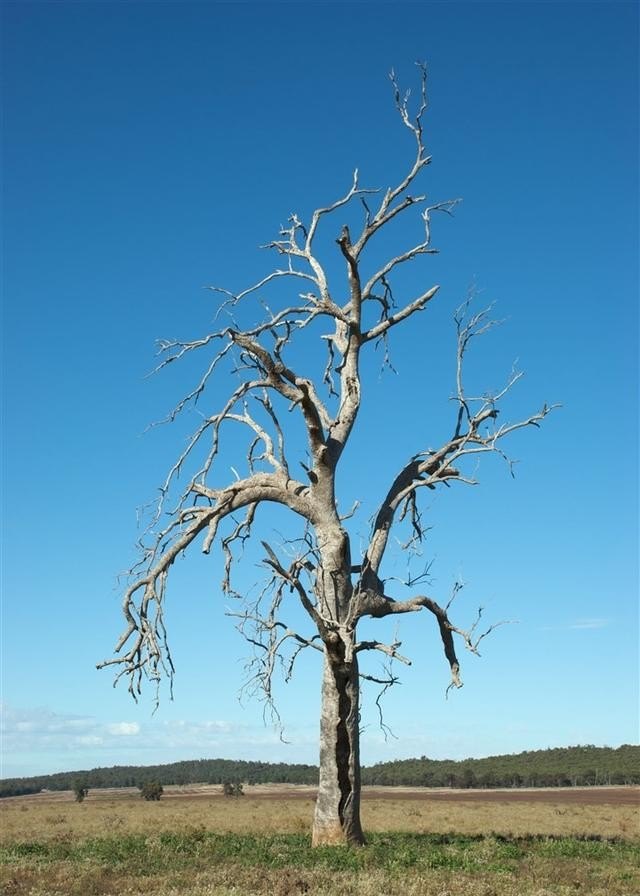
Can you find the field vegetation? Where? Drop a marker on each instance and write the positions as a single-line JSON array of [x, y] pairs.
[[200, 844]]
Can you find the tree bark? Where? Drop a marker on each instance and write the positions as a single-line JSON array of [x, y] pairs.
[[337, 814]]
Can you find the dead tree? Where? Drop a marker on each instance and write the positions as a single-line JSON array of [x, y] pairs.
[[317, 570]]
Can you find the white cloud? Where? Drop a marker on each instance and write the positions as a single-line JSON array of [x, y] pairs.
[[590, 623], [578, 625], [38, 741], [90, 740], [124, 729], [25, 726]]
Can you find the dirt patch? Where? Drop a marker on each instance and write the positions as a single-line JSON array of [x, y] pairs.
[[597, 796], [617, 796]]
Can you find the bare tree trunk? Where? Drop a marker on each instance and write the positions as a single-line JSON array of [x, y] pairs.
[[337, 815]]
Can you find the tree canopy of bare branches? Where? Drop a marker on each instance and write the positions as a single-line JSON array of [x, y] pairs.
[[270, 383]]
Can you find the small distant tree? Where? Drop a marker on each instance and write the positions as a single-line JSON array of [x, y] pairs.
[[151, 790], [80, 790], [291, 365], [232, 789]]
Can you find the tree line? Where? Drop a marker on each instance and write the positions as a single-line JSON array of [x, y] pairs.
[[578, 766], [197, 771]]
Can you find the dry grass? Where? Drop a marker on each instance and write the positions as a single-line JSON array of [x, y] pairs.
[[540, 880], [519, 819], [47, 816], [487, 866]]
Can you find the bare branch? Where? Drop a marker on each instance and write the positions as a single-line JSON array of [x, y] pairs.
[[292, 577], [377, 605], [386, 211], [387, 682], [422, 248], [148, 651], [471, 436], [354, 190], [391, 650], [418, 304]]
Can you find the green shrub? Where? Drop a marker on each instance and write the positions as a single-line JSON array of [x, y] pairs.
[[232, 789], [80, 790], [151, 790]]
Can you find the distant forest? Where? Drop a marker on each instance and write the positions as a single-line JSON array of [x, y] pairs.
[[561, 767]]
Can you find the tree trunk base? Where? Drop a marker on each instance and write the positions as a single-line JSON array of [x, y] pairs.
[[336, 835]]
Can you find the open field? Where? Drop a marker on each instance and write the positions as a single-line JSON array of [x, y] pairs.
[[422, 843]]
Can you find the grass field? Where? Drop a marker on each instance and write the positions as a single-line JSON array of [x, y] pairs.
[[199, 844]]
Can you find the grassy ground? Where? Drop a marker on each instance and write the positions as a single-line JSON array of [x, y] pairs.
[[252, 846]]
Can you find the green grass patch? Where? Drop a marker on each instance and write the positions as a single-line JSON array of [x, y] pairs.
[[198, 848]]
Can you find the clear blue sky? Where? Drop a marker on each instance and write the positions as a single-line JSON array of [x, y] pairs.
[[149, 149]]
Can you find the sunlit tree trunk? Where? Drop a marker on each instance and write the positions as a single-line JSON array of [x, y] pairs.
[[337, 814]]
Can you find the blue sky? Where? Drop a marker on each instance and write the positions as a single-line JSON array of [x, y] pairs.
[[149, 149]]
